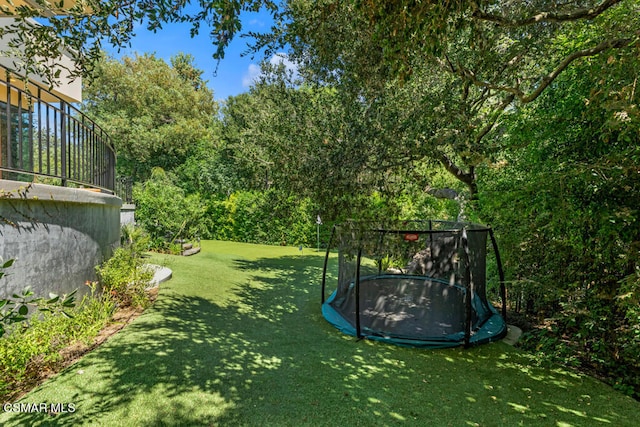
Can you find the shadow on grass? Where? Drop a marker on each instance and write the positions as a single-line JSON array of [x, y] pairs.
[[269, 358]]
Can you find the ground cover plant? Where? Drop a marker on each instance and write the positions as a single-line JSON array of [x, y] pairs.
[[40, 336], [36, 347], [237, 338]]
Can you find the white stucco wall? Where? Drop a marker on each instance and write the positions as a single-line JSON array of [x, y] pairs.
[[67, 89]]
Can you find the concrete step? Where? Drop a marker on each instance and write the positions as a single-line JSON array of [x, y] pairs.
[[160, 274], [513, 335], [191, 251]]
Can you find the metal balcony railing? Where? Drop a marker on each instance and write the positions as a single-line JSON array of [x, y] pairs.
[[51, 141], [124, 188]]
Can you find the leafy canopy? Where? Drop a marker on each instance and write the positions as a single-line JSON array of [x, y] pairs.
[[461, 65], [156, 114], [84, 28]]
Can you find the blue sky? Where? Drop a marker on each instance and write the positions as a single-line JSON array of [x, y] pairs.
[[235, 72]]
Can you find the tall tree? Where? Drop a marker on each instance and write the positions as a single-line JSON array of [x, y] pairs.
[[489, 56], [307, 140], [292, 138], [157, 115]]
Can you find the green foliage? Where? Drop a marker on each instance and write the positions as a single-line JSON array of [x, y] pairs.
[[135, 239], [165, 212], [26, 353], [434, 79], [291, 138], [157, 115], [125, 278], [263, 217], [17, 308], [210, 171], [114, 22], [339, 151], [627, 377], [272, 217], [563, 198]]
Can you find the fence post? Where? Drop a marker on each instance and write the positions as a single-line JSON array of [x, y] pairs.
[[9, 153], [63, 142]]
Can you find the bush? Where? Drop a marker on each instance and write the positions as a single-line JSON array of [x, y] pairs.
[[273, 217], [15, 310], [564, 203], [125, 278], [136, 239], [267, 217], [27, 352], [165, 212]]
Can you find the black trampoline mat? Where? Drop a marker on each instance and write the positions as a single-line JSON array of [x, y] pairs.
[[411, 307]]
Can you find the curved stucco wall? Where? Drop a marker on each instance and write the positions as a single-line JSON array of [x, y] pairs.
[[56, 235]]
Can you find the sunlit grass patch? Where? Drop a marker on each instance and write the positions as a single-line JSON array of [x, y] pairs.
[[237, 338]]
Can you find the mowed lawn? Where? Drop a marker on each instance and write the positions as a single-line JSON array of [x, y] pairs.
[[237, 338]]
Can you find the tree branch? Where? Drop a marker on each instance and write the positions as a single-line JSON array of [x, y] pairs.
[[574, 15], [496, 114], [546, 80], [466, 177]]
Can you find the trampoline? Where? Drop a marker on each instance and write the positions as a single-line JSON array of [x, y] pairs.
[[413, 283]]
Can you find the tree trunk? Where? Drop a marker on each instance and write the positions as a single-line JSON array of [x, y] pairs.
[[468, 178]]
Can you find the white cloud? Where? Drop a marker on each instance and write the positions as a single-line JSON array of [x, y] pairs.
[[254, 72], [282, 58], [251, 76]]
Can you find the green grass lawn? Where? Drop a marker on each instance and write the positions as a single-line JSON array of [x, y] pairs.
[[237, 338]]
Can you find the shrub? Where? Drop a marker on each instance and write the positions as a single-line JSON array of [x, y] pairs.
[[135, 238], [125, 278], [267, 217], [274, 217], [17, 308], [165, 212], [26, 353]]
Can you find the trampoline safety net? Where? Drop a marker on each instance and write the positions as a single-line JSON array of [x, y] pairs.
[[417, 283]]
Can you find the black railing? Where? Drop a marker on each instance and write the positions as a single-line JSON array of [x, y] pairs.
[[124, 188], [51, 141]]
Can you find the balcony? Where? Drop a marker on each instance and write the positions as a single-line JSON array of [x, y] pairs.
[[45, 139], [54, 229]]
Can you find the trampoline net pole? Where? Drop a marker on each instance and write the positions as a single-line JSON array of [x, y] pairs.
[[326, 261], [468, 286], [430, 237], [379, 250], [503, 290], [357, 284]]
